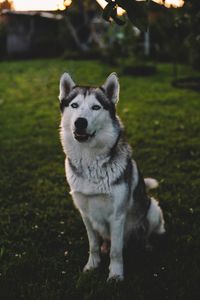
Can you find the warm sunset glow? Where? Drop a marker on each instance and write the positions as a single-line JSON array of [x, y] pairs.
[[171, 3], [167, 3], [39, 4], [59, 4], [103, 3]]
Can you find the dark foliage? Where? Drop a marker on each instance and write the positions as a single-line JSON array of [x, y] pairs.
[[137, 12], [6, 4]]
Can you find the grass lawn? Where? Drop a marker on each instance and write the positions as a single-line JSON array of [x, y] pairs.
[[43, 243]]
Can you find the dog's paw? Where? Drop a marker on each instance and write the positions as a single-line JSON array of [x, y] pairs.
[[115, 277], [116, 271], [89, 267], [93, 263]]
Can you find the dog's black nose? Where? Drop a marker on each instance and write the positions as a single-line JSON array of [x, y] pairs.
[[81, 124]]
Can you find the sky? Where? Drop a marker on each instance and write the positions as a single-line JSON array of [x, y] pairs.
[[39, 4], [174, 3], [58, 4]]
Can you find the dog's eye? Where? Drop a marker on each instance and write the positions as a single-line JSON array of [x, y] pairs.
[[74, 105], [96, 107]]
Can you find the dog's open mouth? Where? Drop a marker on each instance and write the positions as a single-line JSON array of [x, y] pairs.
[[83, 136]]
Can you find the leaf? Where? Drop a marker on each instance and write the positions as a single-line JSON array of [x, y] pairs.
[[119, 21], [136, 11], [108, 10], [114, 16]]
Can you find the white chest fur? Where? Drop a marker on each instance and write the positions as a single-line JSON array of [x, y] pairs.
[[93, 174], [88, 179], [98, 209]]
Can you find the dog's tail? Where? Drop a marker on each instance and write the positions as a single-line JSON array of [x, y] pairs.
[[151, 183]]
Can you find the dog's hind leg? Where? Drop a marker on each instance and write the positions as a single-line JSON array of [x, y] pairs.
[[155, 218], [94, 246], [156, 223]]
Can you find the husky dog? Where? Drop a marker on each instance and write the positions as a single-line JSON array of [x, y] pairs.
[[106, 184]]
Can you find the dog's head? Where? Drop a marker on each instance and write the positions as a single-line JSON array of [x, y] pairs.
[[87, 111]]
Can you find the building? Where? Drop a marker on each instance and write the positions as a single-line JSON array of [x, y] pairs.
[[31, 33]]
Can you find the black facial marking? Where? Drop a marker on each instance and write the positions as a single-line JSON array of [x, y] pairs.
[[99, 93], [66, 101], [102, 100], [76, 90], [84, 90], [96, 107], [107, 105]]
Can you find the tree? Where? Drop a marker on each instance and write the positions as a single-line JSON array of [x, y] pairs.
[[137, 12], [191, 16], [78, 20], [6, 4]]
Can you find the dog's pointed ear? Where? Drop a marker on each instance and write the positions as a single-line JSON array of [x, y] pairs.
[[66, 85], [111, 87]]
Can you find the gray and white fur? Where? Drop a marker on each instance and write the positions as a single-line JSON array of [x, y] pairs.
[[106, 184]]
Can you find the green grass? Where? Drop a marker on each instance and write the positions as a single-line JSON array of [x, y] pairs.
[[43, 244]]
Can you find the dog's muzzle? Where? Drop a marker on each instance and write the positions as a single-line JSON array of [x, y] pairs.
[[80, 132]]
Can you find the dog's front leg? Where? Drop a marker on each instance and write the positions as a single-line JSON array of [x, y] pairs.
[[94, 246], [116, 256]]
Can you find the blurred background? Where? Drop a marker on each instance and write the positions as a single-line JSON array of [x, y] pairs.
[[76, 29]]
